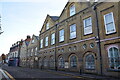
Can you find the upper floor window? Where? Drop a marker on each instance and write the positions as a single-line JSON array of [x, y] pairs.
[[72, 10], [47, 26], [31, 52], [36, 50], [61, 35], [46, 41], [73, 31], [41, 43], [33, 41], [87, 26], [90, 61], [109, 23], [114, 58], [53, 39]]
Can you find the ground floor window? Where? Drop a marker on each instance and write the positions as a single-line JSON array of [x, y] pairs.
[[114, 58], [51, 62], [73, 61], [89, 61], [61, 62], [45, 62], [40, 62]]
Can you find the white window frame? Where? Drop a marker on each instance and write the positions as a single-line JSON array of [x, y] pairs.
[[31, 52], [73, 62], [87, 28], [72, 10], [47, 26], [52, 38], [89, 65], [72, 32], [105, 23], [33, 41], [41, 43], [36, 50], [61, 62], [46, 41], [61, 35], [113, 57]]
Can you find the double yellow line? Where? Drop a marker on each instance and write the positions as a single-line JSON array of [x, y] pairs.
[[9, 75], [62, 74]]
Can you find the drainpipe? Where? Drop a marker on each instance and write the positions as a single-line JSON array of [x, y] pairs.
[[55, 47], [19, 47], [98, 39]]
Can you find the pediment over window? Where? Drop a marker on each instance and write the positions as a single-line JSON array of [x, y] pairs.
[[49, 22], [71, 8], [33, 40]]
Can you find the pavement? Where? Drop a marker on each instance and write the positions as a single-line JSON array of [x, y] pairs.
[[19, 73]]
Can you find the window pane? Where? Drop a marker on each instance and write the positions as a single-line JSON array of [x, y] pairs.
[[72, 10], [61, 35], [114, 58], [41, 45], [108, 18], [109, 23], [73, 61], [110, 27], [47, 26], [53, 39], [46, 41], [90, 62], [73, 31], [116, 52], [87, 25]]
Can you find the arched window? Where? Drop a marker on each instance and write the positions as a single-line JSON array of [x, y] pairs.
[[72, 9], [61, 62], [114, 58], [51, 62], [40, 62], [45, 62], [89, 62], [73, 61]]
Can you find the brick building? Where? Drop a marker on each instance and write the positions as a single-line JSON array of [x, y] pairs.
[[24, 51], [84, 38], [32, 55]]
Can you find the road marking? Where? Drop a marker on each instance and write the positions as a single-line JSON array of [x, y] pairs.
[[3, 73], [9, 75], [69, 75]]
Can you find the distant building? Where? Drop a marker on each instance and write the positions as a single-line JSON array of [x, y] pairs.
[[32, 55], [13, 55], [24, 51]]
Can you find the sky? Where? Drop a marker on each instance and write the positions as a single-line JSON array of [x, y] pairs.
[[25, 17]]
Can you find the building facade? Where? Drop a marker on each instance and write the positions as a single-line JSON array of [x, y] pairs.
[[24, 51], [32, 55], [85, 38], [14, 54]]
